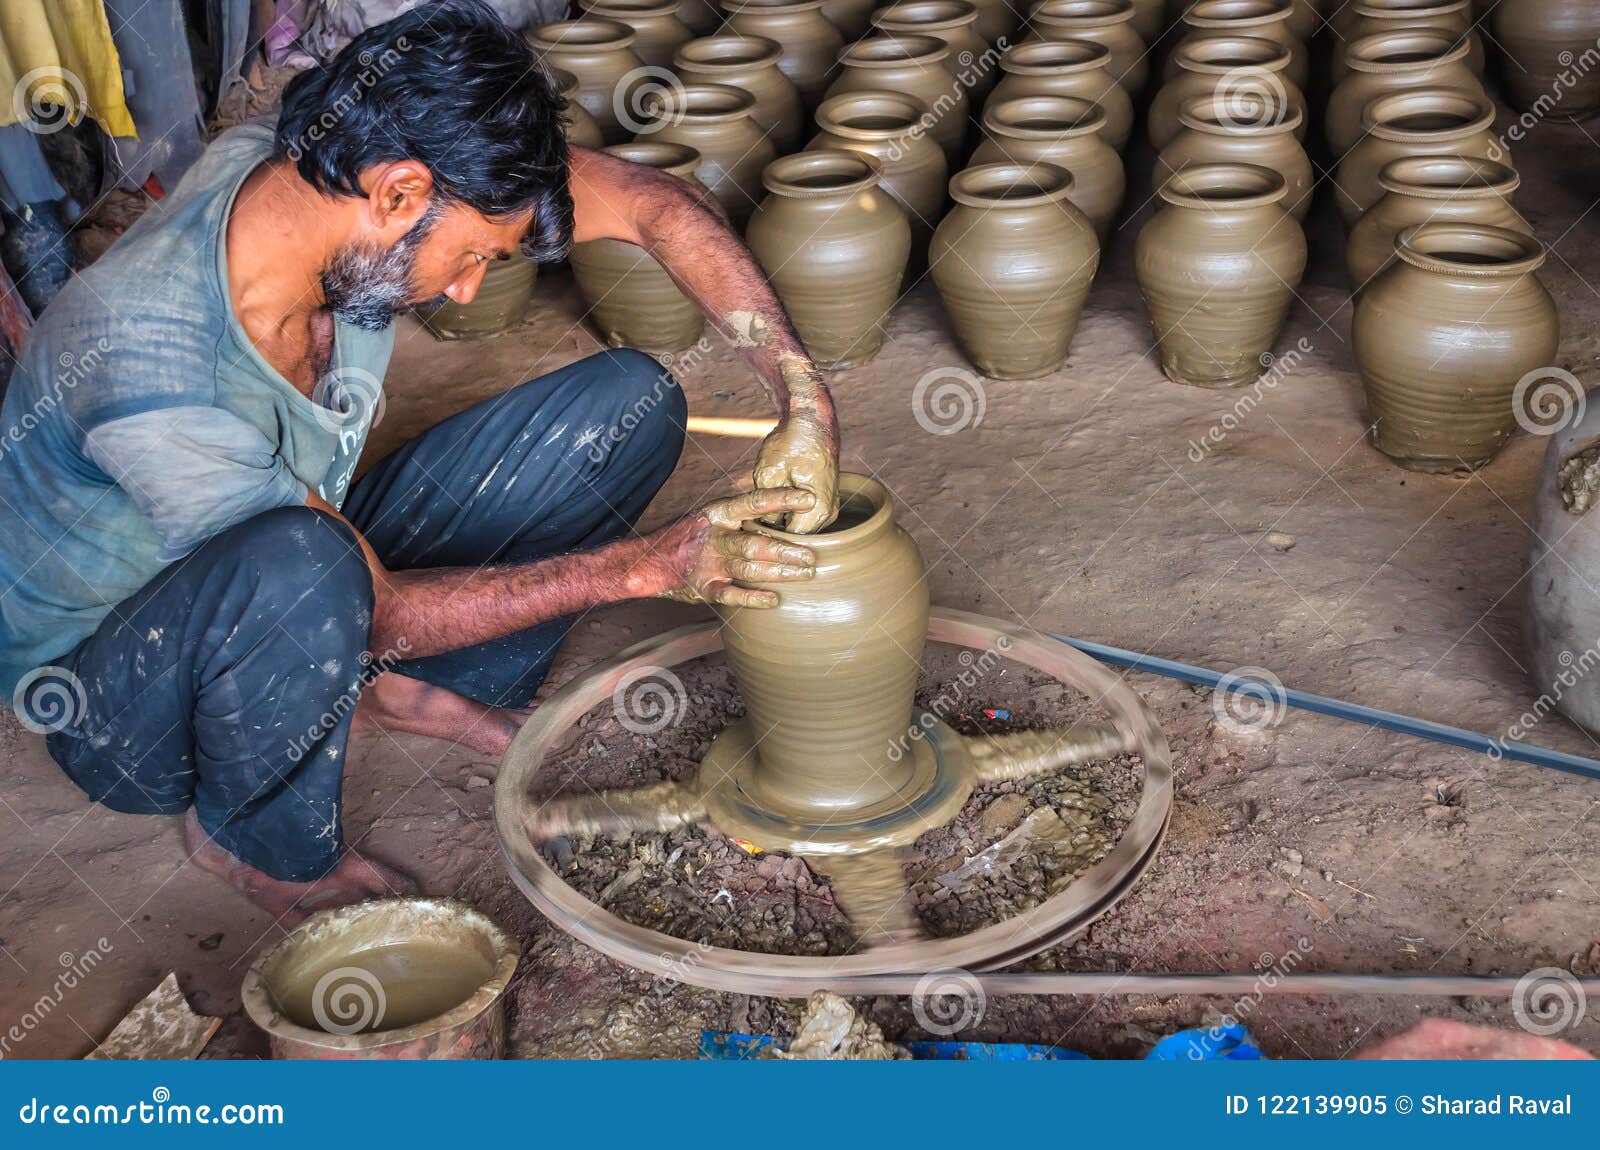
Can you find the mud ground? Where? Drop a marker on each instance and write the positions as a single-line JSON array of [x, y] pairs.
[[1078, 504]]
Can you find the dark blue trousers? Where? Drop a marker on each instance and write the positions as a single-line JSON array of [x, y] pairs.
[[229, 681]]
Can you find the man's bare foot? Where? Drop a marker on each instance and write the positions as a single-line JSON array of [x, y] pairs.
[[355, 878], [395, 703]]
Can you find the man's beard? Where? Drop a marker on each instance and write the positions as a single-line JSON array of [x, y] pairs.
[[366, 285]]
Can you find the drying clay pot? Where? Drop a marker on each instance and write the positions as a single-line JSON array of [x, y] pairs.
[[828, 676], [914, 170], [600, 54], [751, 63], [1267, 19], [810, 43], [1078, 68], [701, 17], [853, 18], [1149, 19], [835, 248], [1242, 130], [581, 128], [954, 22], [632, 300], [1013, 262], [915, 66], [1424, 190], [1390, 62], [500, 305], [1423, 122], [1443, 337], [1218, 265], [1108, 22], [1233, 68], [1550, 62], [1064, 131], [715, 120], [1370, 17], [656, 27]]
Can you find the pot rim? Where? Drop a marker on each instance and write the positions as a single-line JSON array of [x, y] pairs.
[[676, 159], [1077, 117], [680, 102], [1186, 187], [971, 186], [1276, 56], [1374, 115], [1359, 54], [1523, 253], [1276, 117], [262, 1007], [1263, 12], [736, 7], [1090, 54], [730, 61], [850, 483], [828, 113], [859, 171], [1475, 178], [1105, 14], [638, 9], [573, 35], [963, 13], [914, 48], [1396, 10]]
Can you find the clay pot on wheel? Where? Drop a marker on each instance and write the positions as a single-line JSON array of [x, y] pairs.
[[600, 54], [883, 125], [657, 30], [1242, 130], [715, 120], [835, 249], [1442, 339], [1229, 67], [1079, 68], [1013, 262], [1265, 19], [1424, 122], [1063, 131], [1547, 43], [1218, 265], [810, 44], [954, 22], [1430, 190], [1392, 62], [581, 128], [1370, 17], [632, 300], [915, 66], [751, 63], [828, 676], [1108, 22]]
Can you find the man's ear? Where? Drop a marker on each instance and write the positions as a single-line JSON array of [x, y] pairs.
[[398, 195]]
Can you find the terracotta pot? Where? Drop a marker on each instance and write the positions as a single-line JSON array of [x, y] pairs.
[[1267, 19], [1218, 265], [702, 17], [829, 675], [1243, 130], [914, 171], [632, 300], [500, 305], [1233, 68], [1550, 55], [954, 22], [600, 54], [1369, 17], [1422, 122], [1013, 262], [751, 63], [1108, 22], [1064, 131], [715, 120], [581, 128], [915, 66], [810, 43], [1442, 339], [1077, 68], [1389, 62], [1424, 190], [835, 248], [656, 27]]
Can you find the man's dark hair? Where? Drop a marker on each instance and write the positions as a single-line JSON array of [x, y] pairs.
[[449, 85]]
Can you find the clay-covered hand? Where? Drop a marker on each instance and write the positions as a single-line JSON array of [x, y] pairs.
[[705, 556], [803, 452]]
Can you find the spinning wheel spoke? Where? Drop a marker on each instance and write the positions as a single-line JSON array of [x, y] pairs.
[[623, 810], [872, 890], [1023, 754]]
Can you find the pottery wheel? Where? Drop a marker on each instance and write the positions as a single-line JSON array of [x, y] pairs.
[[858, 850]]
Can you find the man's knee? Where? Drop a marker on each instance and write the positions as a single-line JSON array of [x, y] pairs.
[[647, 403], [307, 562]]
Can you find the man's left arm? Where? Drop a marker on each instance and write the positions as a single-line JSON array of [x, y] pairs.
[[687, 234]]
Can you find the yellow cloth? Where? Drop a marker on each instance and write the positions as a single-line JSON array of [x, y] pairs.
[[57, 58]]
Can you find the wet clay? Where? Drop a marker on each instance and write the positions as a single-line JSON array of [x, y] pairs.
[[810, 43], [1268, 19], [1229, 66], [1402, 60], [1369, 17], [716, 121], [600, 54], [1107, 22], [1423, 122], [385, 987], [1064, 131], [954, 22], [657, 29], [1079, 68], [1541, 40], [1242, 129], [913, 65], [751, 63]]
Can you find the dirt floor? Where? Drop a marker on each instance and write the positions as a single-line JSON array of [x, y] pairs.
[[1076, 505]]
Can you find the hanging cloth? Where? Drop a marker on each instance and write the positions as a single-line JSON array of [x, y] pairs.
[[59, 60], [160, 90]]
